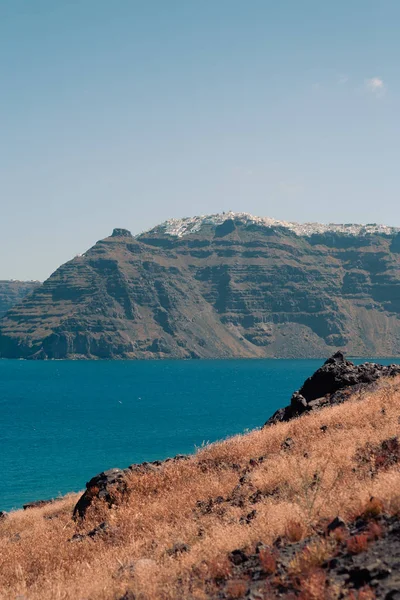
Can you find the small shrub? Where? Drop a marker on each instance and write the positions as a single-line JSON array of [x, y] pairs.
[[311, 557], [313, 586], [267, 561], [374, 531], [339, 535], [295, 531], [357, 544], [394, 506], [236, 588], [373, 509], [365, 593], [219, 569]]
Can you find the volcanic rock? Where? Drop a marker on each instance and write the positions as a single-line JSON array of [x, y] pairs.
[[337, 523], [376, 567], [37, 504], [104, 486], [332, 384], [238, 557]]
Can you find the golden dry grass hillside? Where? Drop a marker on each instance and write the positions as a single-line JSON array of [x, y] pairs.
[[170, 537]]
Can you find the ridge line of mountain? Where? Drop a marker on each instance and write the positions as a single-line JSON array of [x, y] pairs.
[[235, 289], [179, 227]]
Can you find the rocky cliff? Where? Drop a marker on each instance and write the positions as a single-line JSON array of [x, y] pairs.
[[335, 382], [228, 285], [12, 292]]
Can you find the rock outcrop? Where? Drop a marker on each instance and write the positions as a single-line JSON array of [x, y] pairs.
[[111, 485], [12, 292], [333, 383], [106, 486], [223, 286], [37, 504]]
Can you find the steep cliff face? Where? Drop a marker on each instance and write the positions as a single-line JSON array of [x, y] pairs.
[[12, 292], [224, 286]]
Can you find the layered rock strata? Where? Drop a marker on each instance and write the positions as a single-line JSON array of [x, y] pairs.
[[12, 292], [222, 286]]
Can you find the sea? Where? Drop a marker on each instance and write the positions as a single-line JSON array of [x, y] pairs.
[[62, 422]]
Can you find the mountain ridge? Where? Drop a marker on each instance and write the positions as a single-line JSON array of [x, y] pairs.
[[13, 291], [186, 225], [219, 286]]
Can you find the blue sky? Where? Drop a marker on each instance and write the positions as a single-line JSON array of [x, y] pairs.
[[124, 114]]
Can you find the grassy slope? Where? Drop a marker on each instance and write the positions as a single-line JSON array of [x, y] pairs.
[[317, 478]]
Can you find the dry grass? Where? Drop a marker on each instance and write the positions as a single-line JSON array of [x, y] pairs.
[[292, 491]]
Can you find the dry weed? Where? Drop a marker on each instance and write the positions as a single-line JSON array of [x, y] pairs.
[[312, 556], [267, 561], [365, 593], [313, 586], [236, 588], [357, 543]]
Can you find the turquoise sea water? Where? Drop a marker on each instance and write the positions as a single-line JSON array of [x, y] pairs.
[[61, 422]]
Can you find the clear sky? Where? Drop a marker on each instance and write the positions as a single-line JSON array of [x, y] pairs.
[[126, 113]]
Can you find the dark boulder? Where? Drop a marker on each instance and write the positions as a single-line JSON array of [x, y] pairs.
[[105, 486], [298, 404], [333, 383], [338, 373], [238, 557], [109, 485], [337, 523], [37, 504]]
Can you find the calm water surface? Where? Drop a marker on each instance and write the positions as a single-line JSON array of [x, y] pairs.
[[64, 421]]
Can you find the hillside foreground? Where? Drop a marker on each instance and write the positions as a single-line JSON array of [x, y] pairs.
[[254, 516]]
